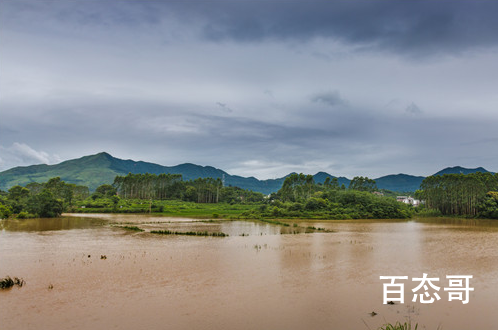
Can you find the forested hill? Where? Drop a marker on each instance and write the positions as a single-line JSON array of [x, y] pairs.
[[461, 170], [101, 168]]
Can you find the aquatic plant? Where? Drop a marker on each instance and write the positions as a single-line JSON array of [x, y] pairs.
[[189, 233], [8, 282], [275, 222], [398, 326], [319, 229], [135, 228]]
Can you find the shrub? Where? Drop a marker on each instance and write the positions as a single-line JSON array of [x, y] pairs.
[[25, 215]]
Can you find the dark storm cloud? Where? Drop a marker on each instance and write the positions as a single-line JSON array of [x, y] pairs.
[[78, 13], [423, 27], [260, 87]]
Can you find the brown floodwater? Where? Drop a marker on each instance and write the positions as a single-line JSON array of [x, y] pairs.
[[266, 279]]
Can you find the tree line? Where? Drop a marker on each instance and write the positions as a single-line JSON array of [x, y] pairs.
[[301, 197], [43, 200], [172, 186], [301, 187], [473, 195]]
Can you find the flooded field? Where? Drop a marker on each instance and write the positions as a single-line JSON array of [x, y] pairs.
[[91, 273]]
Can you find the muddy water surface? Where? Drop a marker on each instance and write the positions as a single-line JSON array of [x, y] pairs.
[[266, 279]]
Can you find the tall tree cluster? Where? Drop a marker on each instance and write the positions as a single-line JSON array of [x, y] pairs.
[[171, 186], [148, 186], [363, 184], [458, 194], [297, 187]]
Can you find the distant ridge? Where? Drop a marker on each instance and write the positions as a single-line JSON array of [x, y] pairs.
[[94, 170], [463, 170], [399, 182]]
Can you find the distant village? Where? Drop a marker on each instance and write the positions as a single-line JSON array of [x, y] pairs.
[[408, 200], [403, 199]]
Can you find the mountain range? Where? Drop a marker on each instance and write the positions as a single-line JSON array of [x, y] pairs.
[[101, 168]]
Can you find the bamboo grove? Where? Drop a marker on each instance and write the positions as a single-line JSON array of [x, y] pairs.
[[459, 194]]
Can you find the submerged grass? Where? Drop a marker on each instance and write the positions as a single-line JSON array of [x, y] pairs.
[[8, 282], [135, 228], [189, 233], [398, 326], [275, 222], [319, 229]]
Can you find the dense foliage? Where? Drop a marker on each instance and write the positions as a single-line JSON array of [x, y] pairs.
[[44, 200], [301, 197], [471, 195], [363, 184]]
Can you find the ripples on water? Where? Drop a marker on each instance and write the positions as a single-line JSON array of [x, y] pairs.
[[262, 281]]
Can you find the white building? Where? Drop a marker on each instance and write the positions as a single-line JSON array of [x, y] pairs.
[[408, 200]]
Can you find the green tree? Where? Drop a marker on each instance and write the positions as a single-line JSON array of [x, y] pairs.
[[331, 183], [459, 194], [17, 198], [18, 193], [106, 190], [5, 211], [297, 187], [363, 184], [45, 205]]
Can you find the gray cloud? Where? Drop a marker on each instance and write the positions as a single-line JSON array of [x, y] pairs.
[[22, 154], [413, 109], [331, 98], [233, 84], [413, 28], [420, 27], [224, 107], [348, 143]]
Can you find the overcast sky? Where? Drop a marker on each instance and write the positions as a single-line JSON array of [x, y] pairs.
[[256, 88]]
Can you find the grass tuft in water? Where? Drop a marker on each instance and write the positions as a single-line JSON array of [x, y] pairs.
[[398, 326], [8, 282], [275, 222], [188, 233], [318, 229], [135, 228]]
